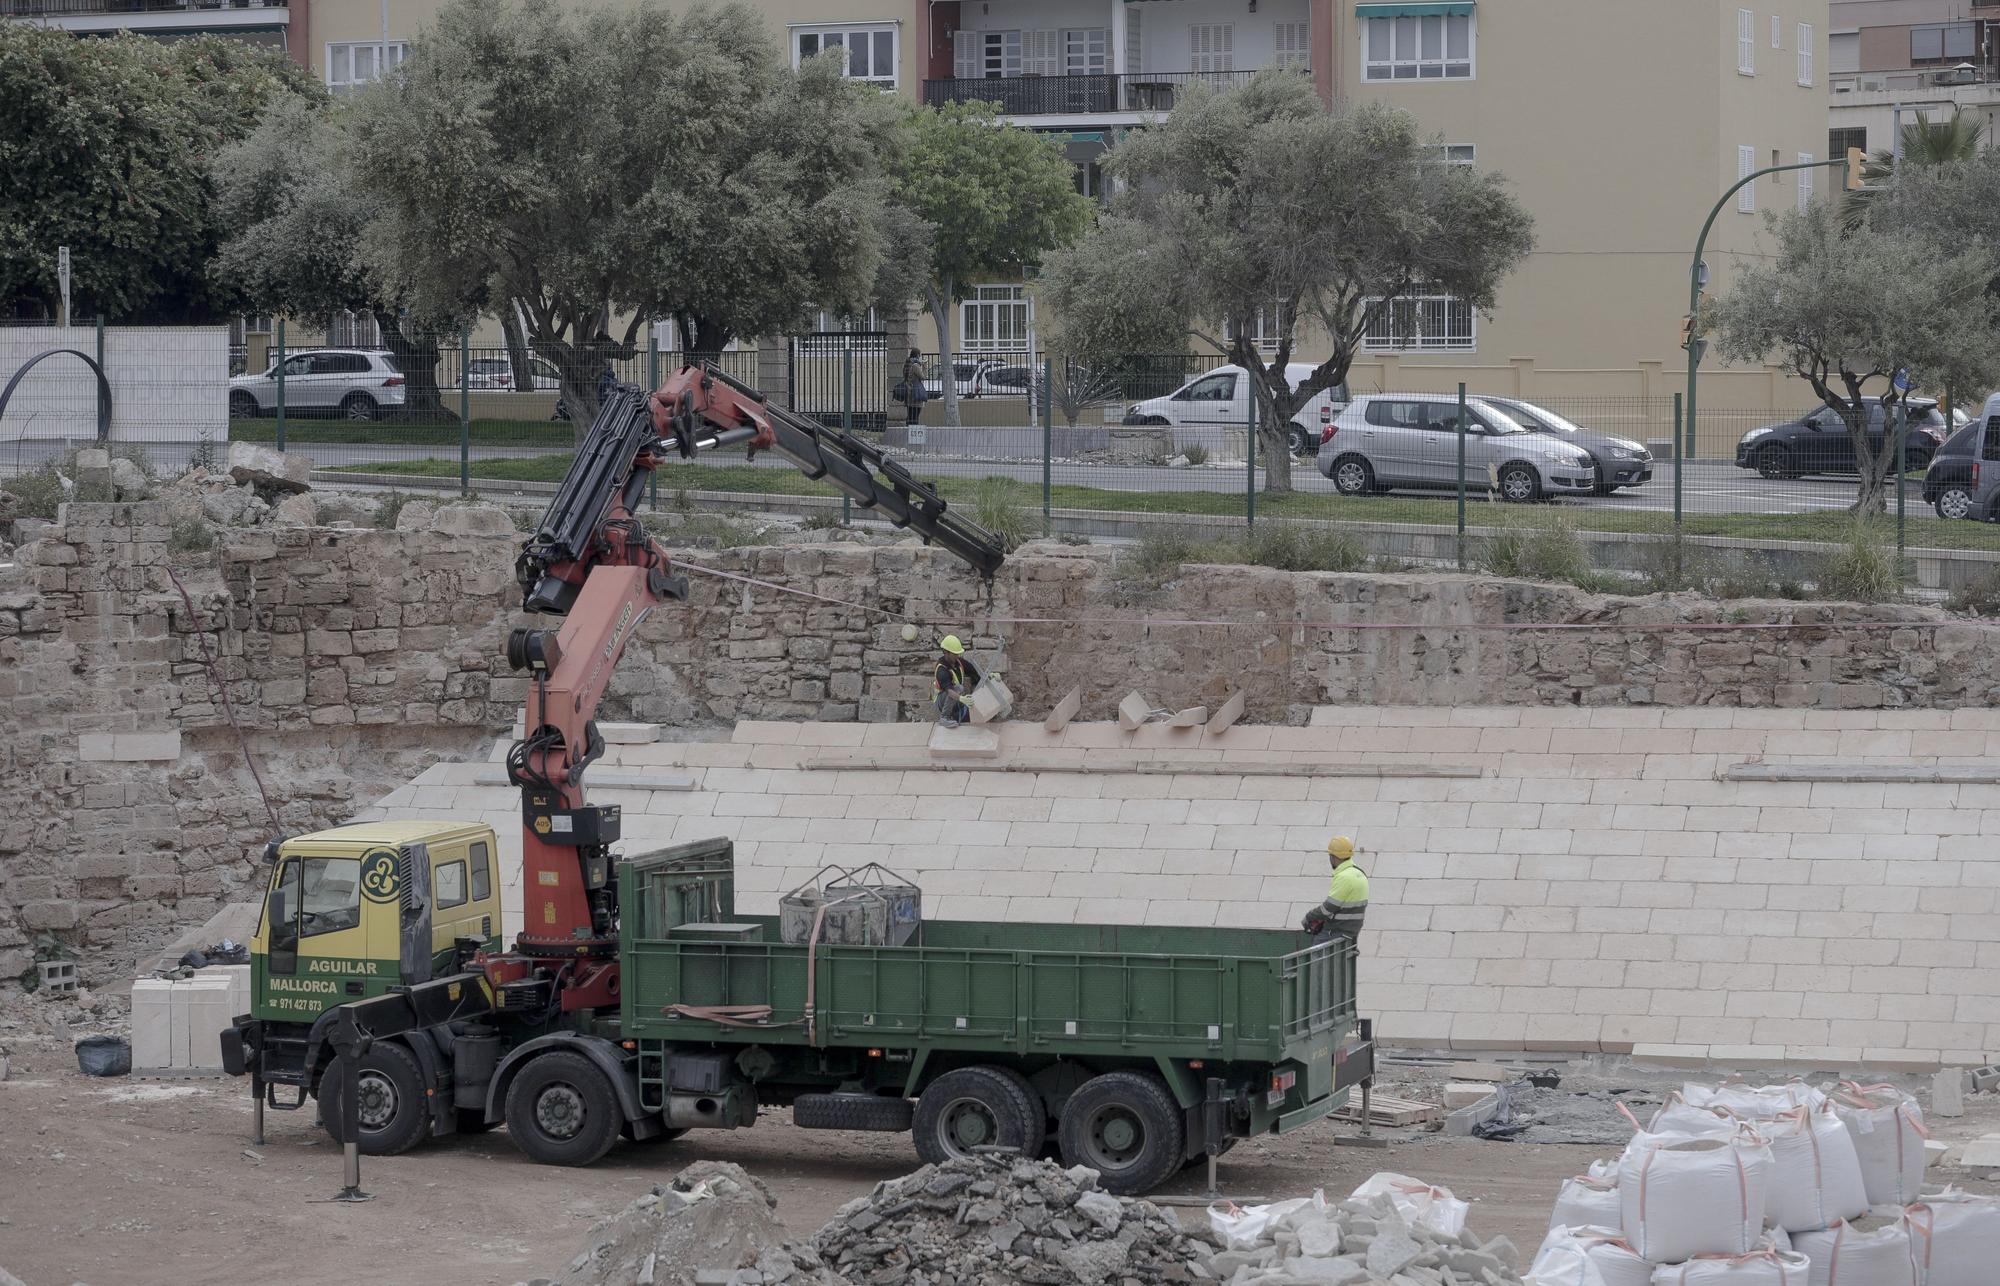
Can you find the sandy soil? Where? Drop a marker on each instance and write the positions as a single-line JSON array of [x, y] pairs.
[[155, 1181]]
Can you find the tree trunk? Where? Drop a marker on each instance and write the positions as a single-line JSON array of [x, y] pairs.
[[705, 338], [417, 357], [517, 347], [1274, 415], [937, 298], [1874, 472], [580, 367]]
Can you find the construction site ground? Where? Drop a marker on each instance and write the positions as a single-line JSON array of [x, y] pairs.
[[155, 1181]]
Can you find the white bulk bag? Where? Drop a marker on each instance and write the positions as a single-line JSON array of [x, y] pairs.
[[1815, 1175], [1774, 1238], [1678, 1116], [1873, 1250], [1758, 1268], [1755, 1102], [1955, 1239], [1588, 1257], [1584, 1201], [1888, 1131], [1686, 1197], [1418, 1202], [1243, 1227]]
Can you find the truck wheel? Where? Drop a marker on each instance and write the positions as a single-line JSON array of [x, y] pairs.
[[1125, 1126], [1033, 1110], [390, 1102], [562, 1110], [967, 1108]]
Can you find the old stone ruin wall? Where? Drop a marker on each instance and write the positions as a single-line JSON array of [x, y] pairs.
[[353, 659]]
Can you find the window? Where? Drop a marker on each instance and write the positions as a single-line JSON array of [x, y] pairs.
[[1433, 47], [1805, 53], [828, 322], [353, 330], [1214, 388], [1040, 53], [1212, 46], [1132, 45], [1805, 180], [325, 893], [1263, 328], [1392, 414], [1089, 179], [1293, 51], [1458, 153], [986, 55], [1839, 140], [1990, 448], [871, 51], [482, 873], [1944, 42], [450, 889], [995, 317], [1746, 42], [1746, 165], [1422, 322], [1086, 51], [349, 66], [1777, 32]]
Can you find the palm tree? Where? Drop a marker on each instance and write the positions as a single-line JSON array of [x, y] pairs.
[[1926, 143]]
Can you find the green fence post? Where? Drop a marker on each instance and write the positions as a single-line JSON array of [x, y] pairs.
[[1679, 571], [847, 414], [465, 410], [1902, 471], [100, 350], [652, 384], [1048, 438], [1250, 457], [1461, 476], [281, 384]]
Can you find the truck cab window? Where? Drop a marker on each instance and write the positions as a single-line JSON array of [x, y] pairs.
[[482, 874], [330, 895], [450, 881]]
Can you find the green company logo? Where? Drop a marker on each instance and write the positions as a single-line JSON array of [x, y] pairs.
[[380, 880]]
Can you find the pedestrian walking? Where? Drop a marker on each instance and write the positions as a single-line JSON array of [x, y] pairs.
[[913, 386]]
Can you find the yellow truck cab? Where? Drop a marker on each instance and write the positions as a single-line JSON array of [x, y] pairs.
[[349, 913]]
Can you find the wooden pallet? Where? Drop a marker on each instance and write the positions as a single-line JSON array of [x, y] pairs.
[[1385, 1109]]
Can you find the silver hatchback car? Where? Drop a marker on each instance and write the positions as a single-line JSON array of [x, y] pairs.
[[1389, 440]]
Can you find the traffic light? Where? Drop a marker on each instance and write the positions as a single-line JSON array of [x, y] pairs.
[[1856, 160], [1687, 330]]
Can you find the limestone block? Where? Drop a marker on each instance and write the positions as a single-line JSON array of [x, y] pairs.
[[964, 743], [1064, 711], [1459, 1094], [129, 481], [416, 515], [1226, 717], [1948, 1093], [265, 467], [1192, 717], [144, 747], [96, 747], [628, 734], [298, 510], [471, 519], [1133, 711]]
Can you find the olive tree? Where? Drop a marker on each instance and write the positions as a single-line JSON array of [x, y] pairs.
[[1261, 201], [1845, 310], [584, 166]]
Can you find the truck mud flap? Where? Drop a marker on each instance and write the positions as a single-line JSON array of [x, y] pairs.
[[1354, 1060], [852, 1112]]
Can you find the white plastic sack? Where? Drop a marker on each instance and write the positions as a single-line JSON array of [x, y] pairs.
[[1774, 1238], [1678, 1116], [1873, 1250], [1759, 1268], [1241, 1227], [1584, 1201], [1688, 1197], [1815, 1175], [1588, 1257], [1955, 1239], [1418, 1202], [1888, 1131], [1753, 1102]]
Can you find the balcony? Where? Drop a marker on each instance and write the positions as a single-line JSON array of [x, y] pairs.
[[1089, 95], [149, 14]]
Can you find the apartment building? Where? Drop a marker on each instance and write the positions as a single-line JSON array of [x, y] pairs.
[[1896, 58], [276, 24]]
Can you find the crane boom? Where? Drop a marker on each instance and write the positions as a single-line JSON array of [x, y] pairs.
[[591, 562]]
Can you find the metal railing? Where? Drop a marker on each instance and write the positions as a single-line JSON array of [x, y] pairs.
[[82, 8], [1150, 91]]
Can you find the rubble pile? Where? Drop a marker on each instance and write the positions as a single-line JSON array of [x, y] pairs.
[[1375, 1236], [712, 1225], [1000, 1218]]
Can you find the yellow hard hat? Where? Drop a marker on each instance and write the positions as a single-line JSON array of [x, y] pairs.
[[951, 644], [1340, 848]]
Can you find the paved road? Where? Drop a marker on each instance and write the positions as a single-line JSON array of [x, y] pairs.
[[1708, 486]]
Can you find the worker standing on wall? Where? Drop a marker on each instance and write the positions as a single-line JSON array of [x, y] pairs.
[[956, 677], [1346, 902]]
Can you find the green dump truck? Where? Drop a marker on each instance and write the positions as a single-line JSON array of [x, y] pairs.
[[1131, 1050]]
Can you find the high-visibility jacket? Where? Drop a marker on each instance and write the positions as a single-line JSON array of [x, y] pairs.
[[1346, 900]]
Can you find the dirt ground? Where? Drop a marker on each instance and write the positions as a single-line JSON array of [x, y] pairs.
[[155, 1181]]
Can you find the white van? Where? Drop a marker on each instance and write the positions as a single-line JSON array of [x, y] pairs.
[[1219, 399], [1985, 506]]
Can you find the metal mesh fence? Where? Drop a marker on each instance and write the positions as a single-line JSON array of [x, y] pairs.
[[1140, 446]]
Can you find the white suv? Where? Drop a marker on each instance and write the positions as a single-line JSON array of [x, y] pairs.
[[355, 383], [1387, 440]]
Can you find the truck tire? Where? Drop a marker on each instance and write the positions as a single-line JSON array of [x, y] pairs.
[[852, 1112], [391, 1104], [562, 1110], [968, 1108], [1125, 1126], [1033, 1110]]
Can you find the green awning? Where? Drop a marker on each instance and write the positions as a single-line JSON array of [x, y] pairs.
[[1371, 10]]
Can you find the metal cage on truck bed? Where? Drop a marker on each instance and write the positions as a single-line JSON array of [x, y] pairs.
[[1238, 995]]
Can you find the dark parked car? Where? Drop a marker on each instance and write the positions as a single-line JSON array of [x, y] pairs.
[[1621, 462], [1818, 442], [1948, 482]]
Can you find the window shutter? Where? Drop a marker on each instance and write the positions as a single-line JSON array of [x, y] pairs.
[[965, 54], [1746, 42], [1212, 46], [1805, 53], [1292, 50], [1777, 32], [1746, 165], [1040, 55], [1805, 181], [1133, 28]]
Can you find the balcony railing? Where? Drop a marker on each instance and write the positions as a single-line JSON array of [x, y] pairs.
[[94, 8], [1148, 91]]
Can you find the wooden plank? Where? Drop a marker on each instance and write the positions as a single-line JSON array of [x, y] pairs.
[[1388, 1110]]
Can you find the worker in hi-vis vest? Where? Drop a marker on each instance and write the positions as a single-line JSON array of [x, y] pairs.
[[1346, 902]]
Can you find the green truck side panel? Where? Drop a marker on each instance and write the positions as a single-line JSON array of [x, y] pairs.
[[319, 985]]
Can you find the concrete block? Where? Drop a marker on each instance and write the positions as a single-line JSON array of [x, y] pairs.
[[1980, 1154], [964, 743], [1948, 1093], [1459, 1094], [152, 1023], [1064, 711], [1192, 717], [1226, 717], [1133, 711], [1460, 1122], [148, 747], [1489, 1072], [628, 734]]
